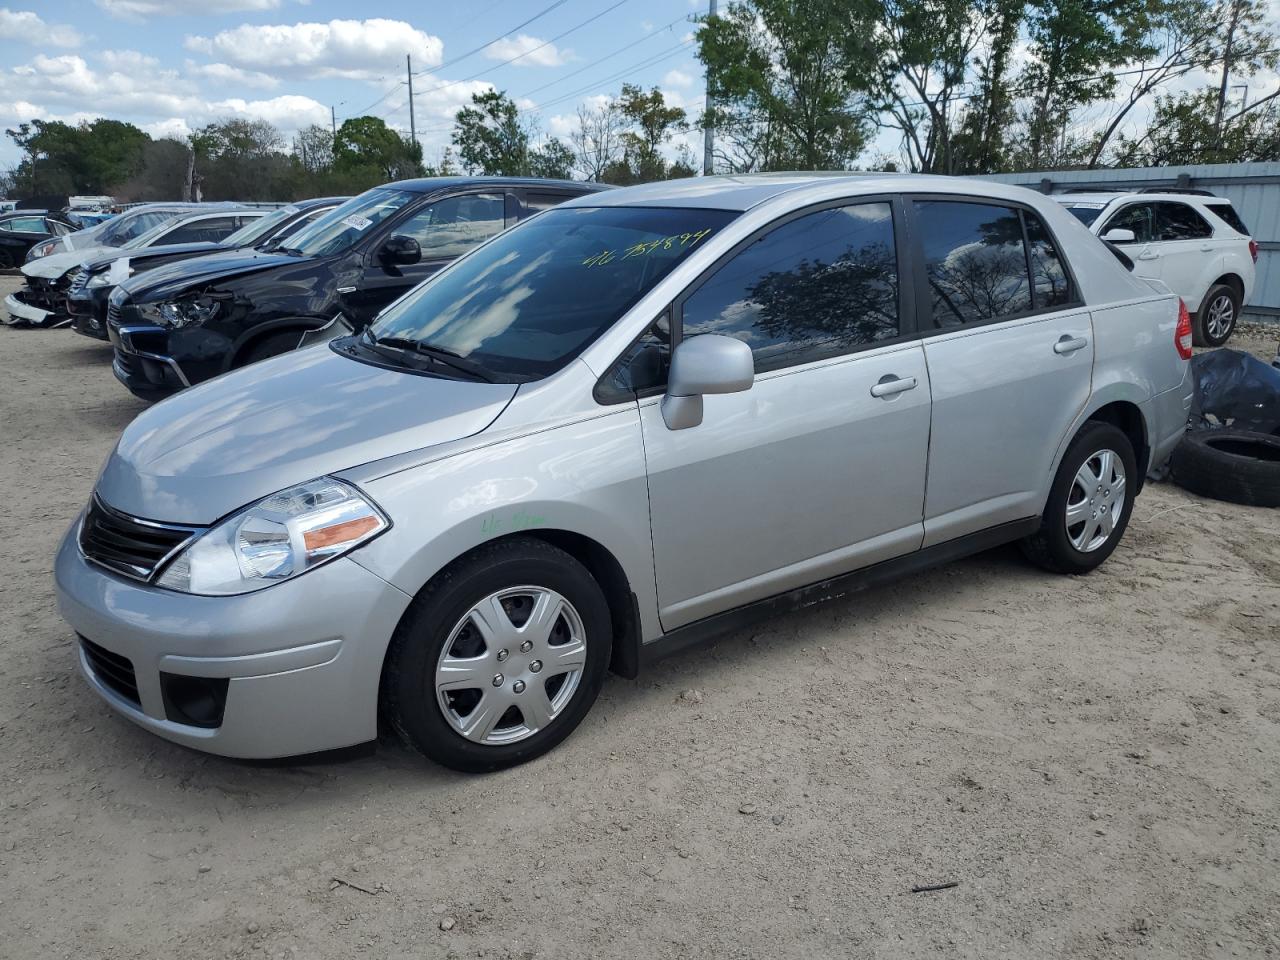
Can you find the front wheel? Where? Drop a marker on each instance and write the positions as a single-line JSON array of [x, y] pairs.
[[1089, 504], [499, 658]]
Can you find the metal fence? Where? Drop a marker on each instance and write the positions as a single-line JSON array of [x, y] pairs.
[[1252, 188]]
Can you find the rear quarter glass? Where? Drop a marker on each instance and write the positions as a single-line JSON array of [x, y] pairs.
[[1226, 212]]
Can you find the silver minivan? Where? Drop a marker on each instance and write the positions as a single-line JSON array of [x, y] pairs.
[[621, 427]]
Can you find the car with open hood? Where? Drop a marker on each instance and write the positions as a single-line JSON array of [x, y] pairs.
[[89, 289], [49, 265], [182, 324], [623, 426]]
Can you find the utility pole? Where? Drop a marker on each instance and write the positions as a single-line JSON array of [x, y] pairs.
[[333, 120], [1226, 71], [708, 132], [413, 131]]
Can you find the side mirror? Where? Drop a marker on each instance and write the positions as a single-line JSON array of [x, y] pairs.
[[1119, 235], [711, 363], [400, 250]]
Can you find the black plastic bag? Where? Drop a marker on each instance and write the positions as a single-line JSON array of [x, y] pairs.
[[1234, 389]]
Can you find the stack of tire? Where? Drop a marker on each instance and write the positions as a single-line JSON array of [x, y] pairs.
[[1232, 448]]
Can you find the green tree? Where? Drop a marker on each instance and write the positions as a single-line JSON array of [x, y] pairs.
[[553, 160], [789, 80], [1182, 131], [88, 158], [366, 148], [490, 136]]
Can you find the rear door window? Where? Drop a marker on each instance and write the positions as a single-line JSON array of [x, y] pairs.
[[537, 202], [210, 229], [1138, 217], [975, 261], [818, 286], [1051, 285], [1179, 221]]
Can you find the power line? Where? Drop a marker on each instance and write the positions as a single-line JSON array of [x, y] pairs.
[[532, 50], [651, 61]]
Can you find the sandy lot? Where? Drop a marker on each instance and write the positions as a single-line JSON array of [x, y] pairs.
[[1095, 760]]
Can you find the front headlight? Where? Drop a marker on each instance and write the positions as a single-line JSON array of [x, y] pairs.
[[101, 279], [180, 313], [42, 249], [279, 537]]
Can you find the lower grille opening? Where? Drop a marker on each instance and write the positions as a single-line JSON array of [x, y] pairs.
[[195, 701], [112, 670]]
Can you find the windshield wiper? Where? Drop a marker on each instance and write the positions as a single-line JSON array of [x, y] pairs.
[[446, 358]]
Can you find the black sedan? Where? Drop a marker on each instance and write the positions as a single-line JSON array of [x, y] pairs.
[[20, 230]]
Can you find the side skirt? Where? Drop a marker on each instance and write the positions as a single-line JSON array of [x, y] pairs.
[[709, 628]]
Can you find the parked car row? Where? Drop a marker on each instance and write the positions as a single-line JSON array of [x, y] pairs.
[[608, 425]]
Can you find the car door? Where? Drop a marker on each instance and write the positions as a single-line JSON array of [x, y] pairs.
[[1190, 257], [818, 468], [203, 230], [444, 228], [1009, 348], [1143, 249]]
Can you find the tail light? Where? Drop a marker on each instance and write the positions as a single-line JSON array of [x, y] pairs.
[[1182, 336], [1253, 249]]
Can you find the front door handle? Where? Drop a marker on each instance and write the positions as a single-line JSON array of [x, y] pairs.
[[890, 386], [1069, 344], [1206, 247], [1149, 254]]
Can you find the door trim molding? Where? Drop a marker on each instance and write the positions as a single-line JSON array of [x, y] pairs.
[[710, 628]]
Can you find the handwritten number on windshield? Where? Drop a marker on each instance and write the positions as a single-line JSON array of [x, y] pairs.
[[676, 241]]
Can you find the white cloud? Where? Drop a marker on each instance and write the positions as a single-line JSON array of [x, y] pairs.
[[677, 78], [531, 51], [174, 128], [122, 60], [24, 26], [139, 9], [225, 74], [352, 49]]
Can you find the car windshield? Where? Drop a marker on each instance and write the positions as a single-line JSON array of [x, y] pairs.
[[529, 301], [255, 230], [344, 225], [1086, 213], [148, 237], [130, 226]]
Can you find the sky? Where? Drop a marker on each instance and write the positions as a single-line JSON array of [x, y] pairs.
[[173, 65]]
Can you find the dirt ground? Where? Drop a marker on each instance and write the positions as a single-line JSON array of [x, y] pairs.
[[1095, 761]]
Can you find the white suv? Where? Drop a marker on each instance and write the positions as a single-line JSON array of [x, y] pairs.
[[1192, 241]]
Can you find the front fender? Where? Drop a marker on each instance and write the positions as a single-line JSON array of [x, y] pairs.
[[586, 478]]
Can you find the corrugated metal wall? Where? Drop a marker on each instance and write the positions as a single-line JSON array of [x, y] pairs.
[[1252, 188]]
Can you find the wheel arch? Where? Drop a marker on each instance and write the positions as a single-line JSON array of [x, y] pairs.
[[603, 566], [1232, 280], [250, 338], [1127, 416]]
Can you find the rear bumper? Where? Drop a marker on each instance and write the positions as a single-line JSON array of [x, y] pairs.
[[1166, 415]]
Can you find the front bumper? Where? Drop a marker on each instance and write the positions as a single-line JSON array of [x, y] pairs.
[[18, 311], [88, 312], [302, 659], [142, 362]]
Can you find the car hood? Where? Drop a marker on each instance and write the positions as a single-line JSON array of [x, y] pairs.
[[173, 278], [237, 438], [100, 260], [56, 264]]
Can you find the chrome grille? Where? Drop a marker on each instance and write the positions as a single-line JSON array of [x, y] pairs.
[[127, 545]]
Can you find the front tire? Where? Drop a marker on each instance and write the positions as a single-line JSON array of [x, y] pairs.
[[499, 658], [1217, 316], [1089, 504]]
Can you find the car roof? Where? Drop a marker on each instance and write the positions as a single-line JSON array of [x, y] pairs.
[[427, 184], [743, 191]]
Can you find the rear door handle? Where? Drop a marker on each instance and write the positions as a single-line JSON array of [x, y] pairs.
[[1070, 344], [890, 386], [1206, 247], [1149, 254]]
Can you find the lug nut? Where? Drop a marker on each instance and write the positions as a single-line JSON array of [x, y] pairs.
[[497, 679], [535, 667], [502, 655], [526, 646], [518, 686]]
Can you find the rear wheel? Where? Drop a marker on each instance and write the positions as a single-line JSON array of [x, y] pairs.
[[499, 658], [1216, 318], [1089, 504]]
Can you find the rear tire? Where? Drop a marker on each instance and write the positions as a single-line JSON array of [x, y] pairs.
[[1217, 316], [272, 345], [1082, 521], [461, 686]]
